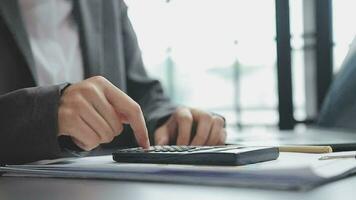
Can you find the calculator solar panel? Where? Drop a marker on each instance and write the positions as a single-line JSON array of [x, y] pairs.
[[197, 155]]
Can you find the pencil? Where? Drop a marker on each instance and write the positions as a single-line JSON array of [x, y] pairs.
[[306, 149]]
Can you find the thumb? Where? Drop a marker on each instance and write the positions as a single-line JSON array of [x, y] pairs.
[[162, 135]]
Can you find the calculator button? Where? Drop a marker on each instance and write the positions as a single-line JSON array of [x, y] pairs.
[[151, 149], [183, 148], [179, 149], [170, 149]]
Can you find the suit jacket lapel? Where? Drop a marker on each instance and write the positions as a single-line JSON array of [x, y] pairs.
[[12, 16], [88, 14]]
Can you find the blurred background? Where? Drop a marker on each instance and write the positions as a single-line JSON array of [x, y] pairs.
[[235, 57]]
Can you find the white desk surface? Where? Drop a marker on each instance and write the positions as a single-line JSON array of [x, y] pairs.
[[49, 188], [43, 188]]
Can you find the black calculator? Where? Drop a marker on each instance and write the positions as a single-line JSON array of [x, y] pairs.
[[197, 155]]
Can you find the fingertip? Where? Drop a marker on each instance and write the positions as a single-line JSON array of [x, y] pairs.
[[145, 142], [147, 145]]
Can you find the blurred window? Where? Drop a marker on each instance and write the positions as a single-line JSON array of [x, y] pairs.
[[344, 30], [218, 55]]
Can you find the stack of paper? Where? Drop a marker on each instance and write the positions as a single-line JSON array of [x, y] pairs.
[[291, 171], [337, 139]]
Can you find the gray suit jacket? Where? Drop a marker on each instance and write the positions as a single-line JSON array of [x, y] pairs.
[[28, 114], [339, 107]]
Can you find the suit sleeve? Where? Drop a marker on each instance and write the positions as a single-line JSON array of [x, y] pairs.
[[28, 124], [339, 107], [145, 91]]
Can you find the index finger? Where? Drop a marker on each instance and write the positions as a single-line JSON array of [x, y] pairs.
[[126, 106]]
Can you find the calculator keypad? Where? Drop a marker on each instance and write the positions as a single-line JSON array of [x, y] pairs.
[[160, 149], [225, 155]]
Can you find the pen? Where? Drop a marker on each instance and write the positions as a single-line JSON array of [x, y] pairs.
[[306, 149], [338, 157]]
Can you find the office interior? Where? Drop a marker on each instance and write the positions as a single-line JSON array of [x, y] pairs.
[[264, 65]]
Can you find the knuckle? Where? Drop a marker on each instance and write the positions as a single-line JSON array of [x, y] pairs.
[[136, 108], [81, 109], [75, 105], [181, 109], [99, 79], [66, 113], [76, 100], [184, 118], [88, 89], [207, 118], [219, 121]]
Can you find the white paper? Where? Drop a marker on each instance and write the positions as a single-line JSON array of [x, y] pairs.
[[289, 171]]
